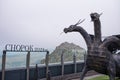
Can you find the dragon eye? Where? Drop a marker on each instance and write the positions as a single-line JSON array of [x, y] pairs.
[[71, 26]]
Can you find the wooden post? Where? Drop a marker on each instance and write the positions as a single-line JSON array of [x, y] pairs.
[[62, 63], [47, 66], [74, 62], [3, 64], [28, 65]]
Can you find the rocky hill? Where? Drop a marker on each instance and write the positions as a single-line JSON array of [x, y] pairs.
[[68, 49]]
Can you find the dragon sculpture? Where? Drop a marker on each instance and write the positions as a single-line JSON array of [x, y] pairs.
[[101, 54]]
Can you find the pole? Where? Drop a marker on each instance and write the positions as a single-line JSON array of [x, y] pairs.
[[62, 63], [3, 64], [28, 65], [36, 73], [48, 77], [74, 62]]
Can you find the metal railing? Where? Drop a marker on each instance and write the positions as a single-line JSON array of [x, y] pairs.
[[47, 71], [27, 62]]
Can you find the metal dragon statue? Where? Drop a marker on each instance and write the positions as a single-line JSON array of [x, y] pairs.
[[101, 55]]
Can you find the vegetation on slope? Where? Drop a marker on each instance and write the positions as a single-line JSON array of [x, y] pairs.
[[68, 50], [102, 78]]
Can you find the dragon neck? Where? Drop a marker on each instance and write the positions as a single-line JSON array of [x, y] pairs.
[[85, 35], [97, 31]]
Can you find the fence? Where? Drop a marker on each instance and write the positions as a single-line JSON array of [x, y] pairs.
[[34, 73]]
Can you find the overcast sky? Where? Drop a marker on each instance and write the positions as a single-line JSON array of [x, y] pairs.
[[40, 22]]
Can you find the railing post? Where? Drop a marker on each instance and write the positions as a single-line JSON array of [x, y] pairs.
[[3, 64], [28, 65], [62, 63], [48, 77], [74, 62], [36, 73], [85, 55]]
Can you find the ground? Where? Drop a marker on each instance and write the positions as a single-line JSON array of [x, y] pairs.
[[101, 78], [97, 77]]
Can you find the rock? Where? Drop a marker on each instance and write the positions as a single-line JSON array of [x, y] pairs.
[[68, 49]]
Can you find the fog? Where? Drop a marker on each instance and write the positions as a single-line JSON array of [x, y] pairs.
[[40, 22]]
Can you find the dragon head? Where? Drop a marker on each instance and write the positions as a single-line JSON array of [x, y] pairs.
[[70, 28], [95, 16], [73, 27]]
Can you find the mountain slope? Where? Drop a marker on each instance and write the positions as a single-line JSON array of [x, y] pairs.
[[68, 49]]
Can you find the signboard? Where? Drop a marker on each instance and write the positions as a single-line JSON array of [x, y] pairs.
[[14, 47]]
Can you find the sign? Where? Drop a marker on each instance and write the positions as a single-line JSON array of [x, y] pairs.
[[14, 47]]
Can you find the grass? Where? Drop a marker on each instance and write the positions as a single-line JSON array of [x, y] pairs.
[[102, 78]]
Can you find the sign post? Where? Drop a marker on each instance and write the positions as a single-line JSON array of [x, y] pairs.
[[28, 64], [3, 64]]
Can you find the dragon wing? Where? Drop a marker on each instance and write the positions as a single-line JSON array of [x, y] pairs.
[[114, 45]]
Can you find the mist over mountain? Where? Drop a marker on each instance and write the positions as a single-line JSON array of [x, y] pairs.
[[68, 50]]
